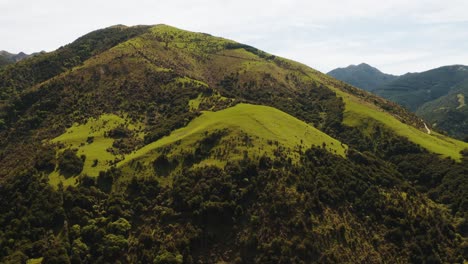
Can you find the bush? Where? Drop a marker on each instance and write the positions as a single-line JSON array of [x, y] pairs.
[[70, 164], [169, 258], [163, 166]]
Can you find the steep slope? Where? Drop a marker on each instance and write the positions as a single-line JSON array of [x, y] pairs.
[[363, 76], [158, 145]]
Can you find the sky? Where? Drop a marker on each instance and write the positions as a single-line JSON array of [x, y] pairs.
[[396, 36]]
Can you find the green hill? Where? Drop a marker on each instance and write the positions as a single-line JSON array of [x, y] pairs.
[[152, 144]]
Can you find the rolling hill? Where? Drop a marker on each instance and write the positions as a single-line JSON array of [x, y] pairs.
[[153, 144]]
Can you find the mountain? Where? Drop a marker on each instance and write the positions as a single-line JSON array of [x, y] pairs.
[[363, 76], [152, 144], [7, 58]]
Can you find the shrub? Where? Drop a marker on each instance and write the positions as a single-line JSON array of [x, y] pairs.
[[70, 164]]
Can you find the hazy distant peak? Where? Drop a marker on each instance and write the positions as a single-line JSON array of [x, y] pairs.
[[365, 66], [5, 53], [362, 75], [7, 58]]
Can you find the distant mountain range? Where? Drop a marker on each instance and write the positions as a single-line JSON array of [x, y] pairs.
[[437, 95], [7, 58]]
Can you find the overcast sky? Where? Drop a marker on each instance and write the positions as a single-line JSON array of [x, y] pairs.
[[396, 36]]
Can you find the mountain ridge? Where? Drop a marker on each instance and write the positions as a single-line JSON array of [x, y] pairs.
[[7, 58]]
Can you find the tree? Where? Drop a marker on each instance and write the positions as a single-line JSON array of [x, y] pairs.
[[70, 164]]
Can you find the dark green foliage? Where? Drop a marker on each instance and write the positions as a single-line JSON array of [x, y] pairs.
[[124, 140], [120, 132], [46, 159], [444, 180], [163, 166], [381, 142], [105, 180], [203, 150], [56, 253], [69, 163], [29, 211], [17, 257], [166, 257], [249, 212]]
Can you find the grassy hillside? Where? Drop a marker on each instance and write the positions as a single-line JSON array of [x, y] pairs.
[[243, 130], [365, 116], [92, 140]]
